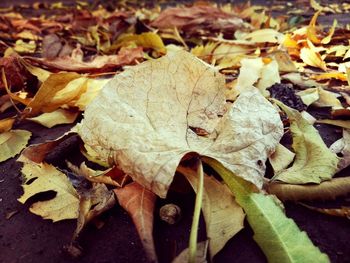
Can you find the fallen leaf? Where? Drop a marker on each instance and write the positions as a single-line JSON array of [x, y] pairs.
[[328, 38], [201, 256], [309, 96], [278, 236], [56, 117], [193, 19], [223, 216], [314, 162], [144, 40], [47, 91], [281, 158], [44, 177], [102, 63], [269, 76], [342, 146], [312, 29], [340, 123], [311, 57], [93, 87], [25, 47], [324, 191], [302, 81], [266, 35], [285, 63], [98, 176], [141, 128], [139, 203], [6, 124], [12, 143], [249, 73], [344, 211]]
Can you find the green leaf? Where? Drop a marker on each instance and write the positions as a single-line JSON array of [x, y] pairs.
[[278, 236], [314, 162]]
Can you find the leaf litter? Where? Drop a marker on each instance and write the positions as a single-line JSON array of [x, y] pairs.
[[151, 85]]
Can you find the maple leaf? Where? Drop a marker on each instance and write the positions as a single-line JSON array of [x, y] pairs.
[[147, 135]]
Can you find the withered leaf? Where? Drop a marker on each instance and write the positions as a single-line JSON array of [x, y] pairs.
[[139, 203], [147, 135]]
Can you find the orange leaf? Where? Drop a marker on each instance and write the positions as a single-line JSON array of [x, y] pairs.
[[330, 75], [312, 29], [139, 203], [6, 124]]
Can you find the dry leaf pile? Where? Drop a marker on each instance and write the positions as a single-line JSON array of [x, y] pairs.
[[162, 90]]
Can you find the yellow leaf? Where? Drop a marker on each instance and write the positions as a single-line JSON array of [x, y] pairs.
[[93, 88], [312, 30], [328, 38], [223, 216], [45, 177], [281, 158], [40, 73], [311, 57], [24, 47], [42, 99], [6, 124], [340, 123], [309, 96], [13, 142], [315, 5], [70, 92], [146, 40], [330, 75], [264, 35], [56, 117]]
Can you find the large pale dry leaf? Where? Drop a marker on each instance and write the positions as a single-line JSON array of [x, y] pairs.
[[314, 162], [223, 216], [56, 117], [44, 177], [13, 142], [139, 203], [147, 135]]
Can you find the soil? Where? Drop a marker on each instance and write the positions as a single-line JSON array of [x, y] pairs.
[[25, 237]]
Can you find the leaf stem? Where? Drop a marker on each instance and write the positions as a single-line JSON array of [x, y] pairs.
[[196, 214]]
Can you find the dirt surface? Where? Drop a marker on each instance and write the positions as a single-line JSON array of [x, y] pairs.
[[25, 237]]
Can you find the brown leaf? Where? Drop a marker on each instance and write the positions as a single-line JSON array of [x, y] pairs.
[[16, 74], [326, 190], [191, 19], [103, 63], [53, 47], [139, 203]]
